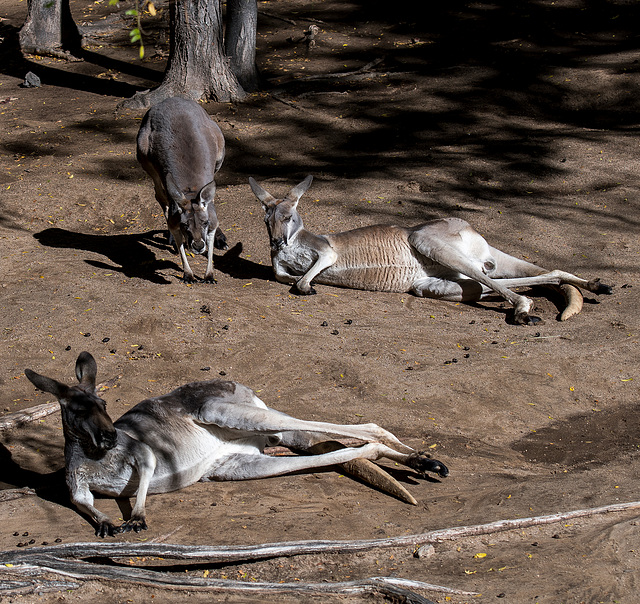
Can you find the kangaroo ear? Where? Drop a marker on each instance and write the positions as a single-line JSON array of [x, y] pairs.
[[299, 190], [86, 370], [207, 193], [46, 384], [175, 194], [264, 196]]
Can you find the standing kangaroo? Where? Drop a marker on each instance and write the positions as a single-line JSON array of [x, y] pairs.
[[202, 431], [444, 258], [182, 148]]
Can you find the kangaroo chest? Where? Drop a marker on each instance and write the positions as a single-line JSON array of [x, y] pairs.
[[376, 258]]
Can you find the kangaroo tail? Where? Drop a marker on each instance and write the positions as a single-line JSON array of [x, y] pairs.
[[573, 299]]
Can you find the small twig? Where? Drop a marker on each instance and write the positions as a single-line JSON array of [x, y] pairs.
[[277, 17], [10, 494], [163, 538]]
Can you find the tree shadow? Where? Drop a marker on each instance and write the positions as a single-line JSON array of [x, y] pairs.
[[15, 64], [129, 253], [583, 440]]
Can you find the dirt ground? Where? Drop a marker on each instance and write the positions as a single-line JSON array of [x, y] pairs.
[[521, 119]]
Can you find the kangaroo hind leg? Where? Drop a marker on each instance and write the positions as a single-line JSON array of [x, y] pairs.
[[454, 245], [242, 466]]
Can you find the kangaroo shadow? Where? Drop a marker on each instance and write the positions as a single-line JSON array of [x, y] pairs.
[[231, 264], [50, 486], [129, 254]]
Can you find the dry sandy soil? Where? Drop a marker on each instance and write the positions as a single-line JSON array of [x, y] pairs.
[[523, 121]]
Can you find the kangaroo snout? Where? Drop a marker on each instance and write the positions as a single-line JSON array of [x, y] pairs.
[[198, 247], [107, 440], [278, 244]]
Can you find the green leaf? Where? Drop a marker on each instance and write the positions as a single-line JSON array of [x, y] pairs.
[[132, 12]]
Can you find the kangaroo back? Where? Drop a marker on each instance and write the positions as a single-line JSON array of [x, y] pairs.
[[178, 137], [182, 148]]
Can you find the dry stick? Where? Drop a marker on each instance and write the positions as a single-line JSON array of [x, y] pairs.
[[9, 494], [88, 571], [48, 558], [12, 420], [244, 553]]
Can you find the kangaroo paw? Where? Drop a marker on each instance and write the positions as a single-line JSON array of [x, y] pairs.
[[220, 241], [310, 291], [107, 529], [526, 319], [597, 287], [134, 524], [421, 462]]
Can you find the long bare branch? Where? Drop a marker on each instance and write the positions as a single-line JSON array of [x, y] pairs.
[[88, 571], [227, 554]]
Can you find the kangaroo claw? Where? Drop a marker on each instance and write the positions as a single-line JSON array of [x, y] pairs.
[[134, 524], [421, 462], [107, 529]]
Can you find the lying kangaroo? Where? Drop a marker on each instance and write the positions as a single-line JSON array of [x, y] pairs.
[[182, 148], [201, 431], [444, 258]]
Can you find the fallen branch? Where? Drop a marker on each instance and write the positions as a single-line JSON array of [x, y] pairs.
[[9, 494], [90, 571], [243, 553], [13, 420], [56, 559], [345, 74], [22, 588]]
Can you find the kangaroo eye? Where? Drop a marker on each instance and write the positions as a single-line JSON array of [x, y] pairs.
[[286, 219]]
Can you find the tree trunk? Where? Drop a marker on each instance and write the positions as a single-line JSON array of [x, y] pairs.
[[49, 29], [240, 41], [197, 67]]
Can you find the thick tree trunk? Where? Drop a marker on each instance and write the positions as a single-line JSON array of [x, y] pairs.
[[197, 67], [240, 41], [49, 29]]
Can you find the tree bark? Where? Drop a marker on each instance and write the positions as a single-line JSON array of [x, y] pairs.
[[197, 67], [240, 41], [50, 29]]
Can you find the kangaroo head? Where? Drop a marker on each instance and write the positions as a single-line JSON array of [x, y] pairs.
[[280, 215], [197, 215], [84, 414]]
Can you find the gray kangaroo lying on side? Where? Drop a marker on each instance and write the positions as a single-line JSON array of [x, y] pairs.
[[445, 259], [201, 431], [182, 148]]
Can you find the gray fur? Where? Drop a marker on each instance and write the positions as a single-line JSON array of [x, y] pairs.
[[444, 258], [213, 430], [182, 148]]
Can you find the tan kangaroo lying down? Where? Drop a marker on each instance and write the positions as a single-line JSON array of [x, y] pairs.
[[204, 431], [444, 258]]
